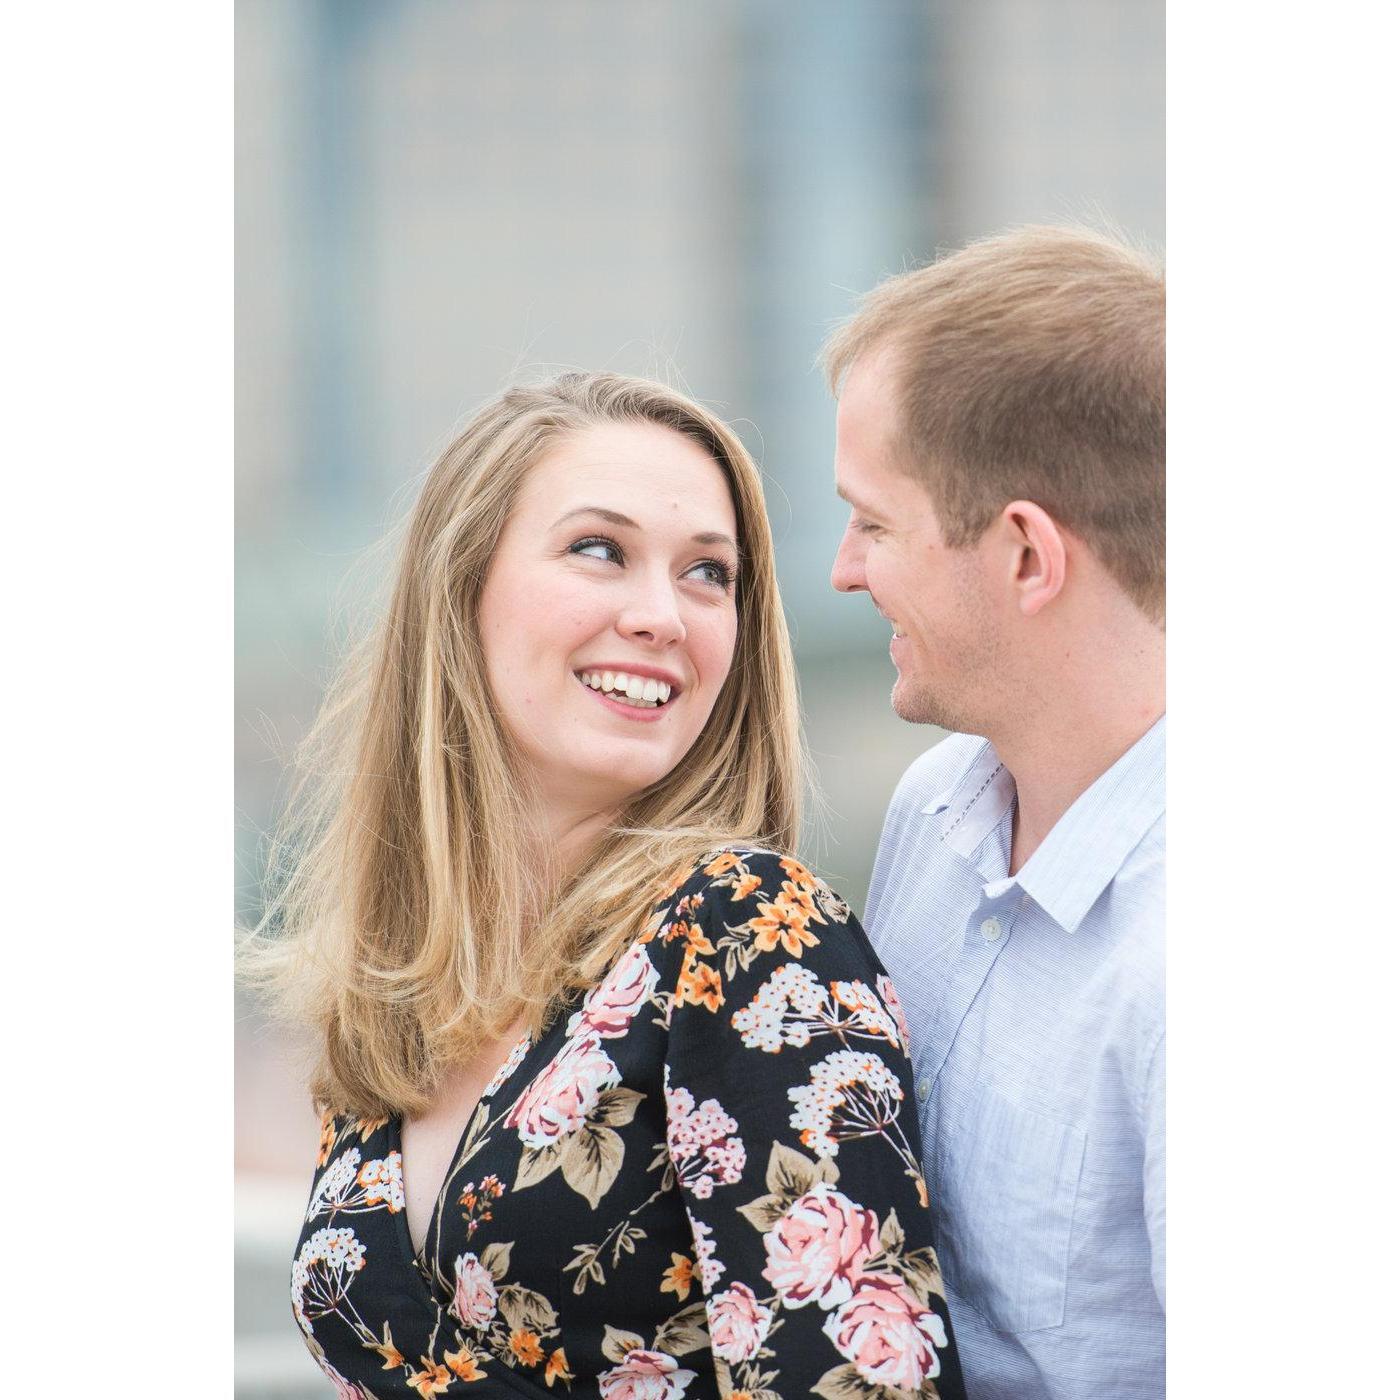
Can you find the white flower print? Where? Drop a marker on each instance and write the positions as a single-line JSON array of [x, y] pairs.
[[792, 1008], [336, 1183], [710, 1267], [702, 1142], [349, 1188], [850, 1095], [323, 1271], [519, 1050]]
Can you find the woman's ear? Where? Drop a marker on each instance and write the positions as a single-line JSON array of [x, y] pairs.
[[1037, 555]]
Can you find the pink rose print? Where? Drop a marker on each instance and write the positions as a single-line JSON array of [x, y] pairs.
[[564, 1093], [887, 1333], [474, 1300], [738, 1323], [817, 1249], [645, 1375], [609, 1008], [891, 999]]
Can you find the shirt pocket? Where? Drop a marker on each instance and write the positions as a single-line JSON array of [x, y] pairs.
[[1006, 1181]]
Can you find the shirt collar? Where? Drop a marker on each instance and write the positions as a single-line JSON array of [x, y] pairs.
[[976, 802], [1086, 848], [1088, 845]]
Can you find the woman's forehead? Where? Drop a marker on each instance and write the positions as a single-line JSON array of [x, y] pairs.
[[651, 475]]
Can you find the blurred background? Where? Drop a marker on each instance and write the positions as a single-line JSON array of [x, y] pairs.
[[436, 196]]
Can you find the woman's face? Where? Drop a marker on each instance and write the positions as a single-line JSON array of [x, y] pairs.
[[608, 614]]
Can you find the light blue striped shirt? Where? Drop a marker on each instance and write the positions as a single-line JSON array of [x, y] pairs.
[[1035, 1005]]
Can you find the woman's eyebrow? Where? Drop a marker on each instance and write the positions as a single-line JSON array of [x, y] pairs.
[[611, 516], [616, 518]]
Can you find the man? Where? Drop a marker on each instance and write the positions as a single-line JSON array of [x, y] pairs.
[[1000, 440]]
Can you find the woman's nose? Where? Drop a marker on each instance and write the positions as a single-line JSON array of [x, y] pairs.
[[652, 614]]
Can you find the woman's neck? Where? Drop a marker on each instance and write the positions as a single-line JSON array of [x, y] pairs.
[[569, 836]]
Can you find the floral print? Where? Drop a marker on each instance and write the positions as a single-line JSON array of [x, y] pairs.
[[474, 1299], [701, 1180], [888, 1333], [558, 1103], [816, 1249]]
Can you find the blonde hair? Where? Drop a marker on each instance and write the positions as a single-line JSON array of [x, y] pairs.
[[404, 925], [1032, 365]]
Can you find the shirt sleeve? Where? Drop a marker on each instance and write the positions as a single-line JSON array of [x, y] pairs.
[[1154, 1176], [793, 1136]]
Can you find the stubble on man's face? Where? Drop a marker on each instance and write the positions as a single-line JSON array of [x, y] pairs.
[[960, 674]]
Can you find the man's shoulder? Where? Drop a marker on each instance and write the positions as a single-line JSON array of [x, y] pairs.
[[936, 771]]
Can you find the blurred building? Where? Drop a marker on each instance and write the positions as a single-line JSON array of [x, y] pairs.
[[434, 196]]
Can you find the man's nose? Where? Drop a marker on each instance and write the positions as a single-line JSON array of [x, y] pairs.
[[848, 568]]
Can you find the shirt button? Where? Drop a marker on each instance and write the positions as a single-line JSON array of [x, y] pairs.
[[991, 930], [923, 1088]]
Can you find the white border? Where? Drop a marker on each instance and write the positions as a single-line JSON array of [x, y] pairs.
[[118, 138], [1282, 470]]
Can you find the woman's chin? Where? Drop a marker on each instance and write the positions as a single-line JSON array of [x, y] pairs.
[[615, 783]]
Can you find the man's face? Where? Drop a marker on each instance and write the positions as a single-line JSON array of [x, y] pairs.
[[947, 643]]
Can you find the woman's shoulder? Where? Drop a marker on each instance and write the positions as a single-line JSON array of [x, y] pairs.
[[753, 909], [741, 874]]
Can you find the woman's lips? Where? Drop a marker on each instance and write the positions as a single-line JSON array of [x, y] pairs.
[[633, 712]]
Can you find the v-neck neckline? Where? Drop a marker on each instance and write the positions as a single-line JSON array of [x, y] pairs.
[[424, 1260]]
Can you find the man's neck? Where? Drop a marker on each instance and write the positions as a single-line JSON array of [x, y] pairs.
[[1051, 777], [1081, 726]]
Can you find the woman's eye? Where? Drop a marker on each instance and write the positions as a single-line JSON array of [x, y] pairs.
[[714, 571], [595, 547]]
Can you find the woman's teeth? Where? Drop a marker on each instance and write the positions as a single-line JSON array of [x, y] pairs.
[[639, 691]]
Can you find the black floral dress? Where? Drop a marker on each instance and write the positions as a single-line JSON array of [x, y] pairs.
[[702, 1181]]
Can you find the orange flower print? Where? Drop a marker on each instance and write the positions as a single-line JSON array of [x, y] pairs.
[[463, 1365], [328, 1136], [801, 899], [744, 886], [795, 870], [526, 1346], [557, 1367], [393, 1357], [785, 922], [678, 1278], [699, 984], [668, 885], [432, 1380], [726, 860], [694, 936]]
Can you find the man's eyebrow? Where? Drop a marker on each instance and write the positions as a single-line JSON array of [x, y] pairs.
[[616, 518]]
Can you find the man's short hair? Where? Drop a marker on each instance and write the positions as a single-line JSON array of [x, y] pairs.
[[1032, 365]]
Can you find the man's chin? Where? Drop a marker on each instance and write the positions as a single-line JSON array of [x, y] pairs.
[[916, 706]]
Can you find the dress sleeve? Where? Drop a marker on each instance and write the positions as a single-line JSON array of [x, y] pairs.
[[793, 1135]]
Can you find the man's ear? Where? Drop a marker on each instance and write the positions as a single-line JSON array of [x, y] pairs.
[[1037, 550]]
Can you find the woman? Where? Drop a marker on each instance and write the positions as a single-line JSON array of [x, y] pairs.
[[618, 1098]]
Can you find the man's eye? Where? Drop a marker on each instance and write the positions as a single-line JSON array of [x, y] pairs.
[[598, 547], [868, 527]]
